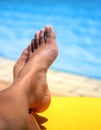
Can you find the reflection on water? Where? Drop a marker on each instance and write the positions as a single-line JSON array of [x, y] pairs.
[[77, 25]]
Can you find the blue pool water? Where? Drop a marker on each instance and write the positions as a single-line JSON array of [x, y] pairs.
[[77, 24]]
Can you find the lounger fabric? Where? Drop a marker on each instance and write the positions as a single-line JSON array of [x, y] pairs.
[[73, 113]]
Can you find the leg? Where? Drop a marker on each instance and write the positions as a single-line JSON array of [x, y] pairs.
[[13, 110], [30, 86]]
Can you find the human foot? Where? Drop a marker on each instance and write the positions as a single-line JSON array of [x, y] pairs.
[[42, 53], [20, 63], [45, 51]]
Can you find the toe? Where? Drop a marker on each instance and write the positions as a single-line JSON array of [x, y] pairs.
[[24, 55], [30, 49], [49, 33], [42, 36], [36, 40], [32, 46], [25, 52]]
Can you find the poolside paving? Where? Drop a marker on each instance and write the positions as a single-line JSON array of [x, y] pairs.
[[63, 84]]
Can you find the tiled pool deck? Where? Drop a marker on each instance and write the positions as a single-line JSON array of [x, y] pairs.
[[63, 84]]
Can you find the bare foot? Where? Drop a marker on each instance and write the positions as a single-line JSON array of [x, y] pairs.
[[39, 55], [20, 63]]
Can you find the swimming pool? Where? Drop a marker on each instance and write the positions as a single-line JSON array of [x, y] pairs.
[[77, 25]]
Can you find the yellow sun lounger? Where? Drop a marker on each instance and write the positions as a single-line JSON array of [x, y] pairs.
[[73, 113]]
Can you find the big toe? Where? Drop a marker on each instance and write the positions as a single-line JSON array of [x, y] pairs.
[[49, 34]]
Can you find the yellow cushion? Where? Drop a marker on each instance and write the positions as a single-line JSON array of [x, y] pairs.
[[73, 113]]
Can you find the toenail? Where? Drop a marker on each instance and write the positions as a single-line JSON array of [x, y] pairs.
[[26, 54], [48, 31]]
